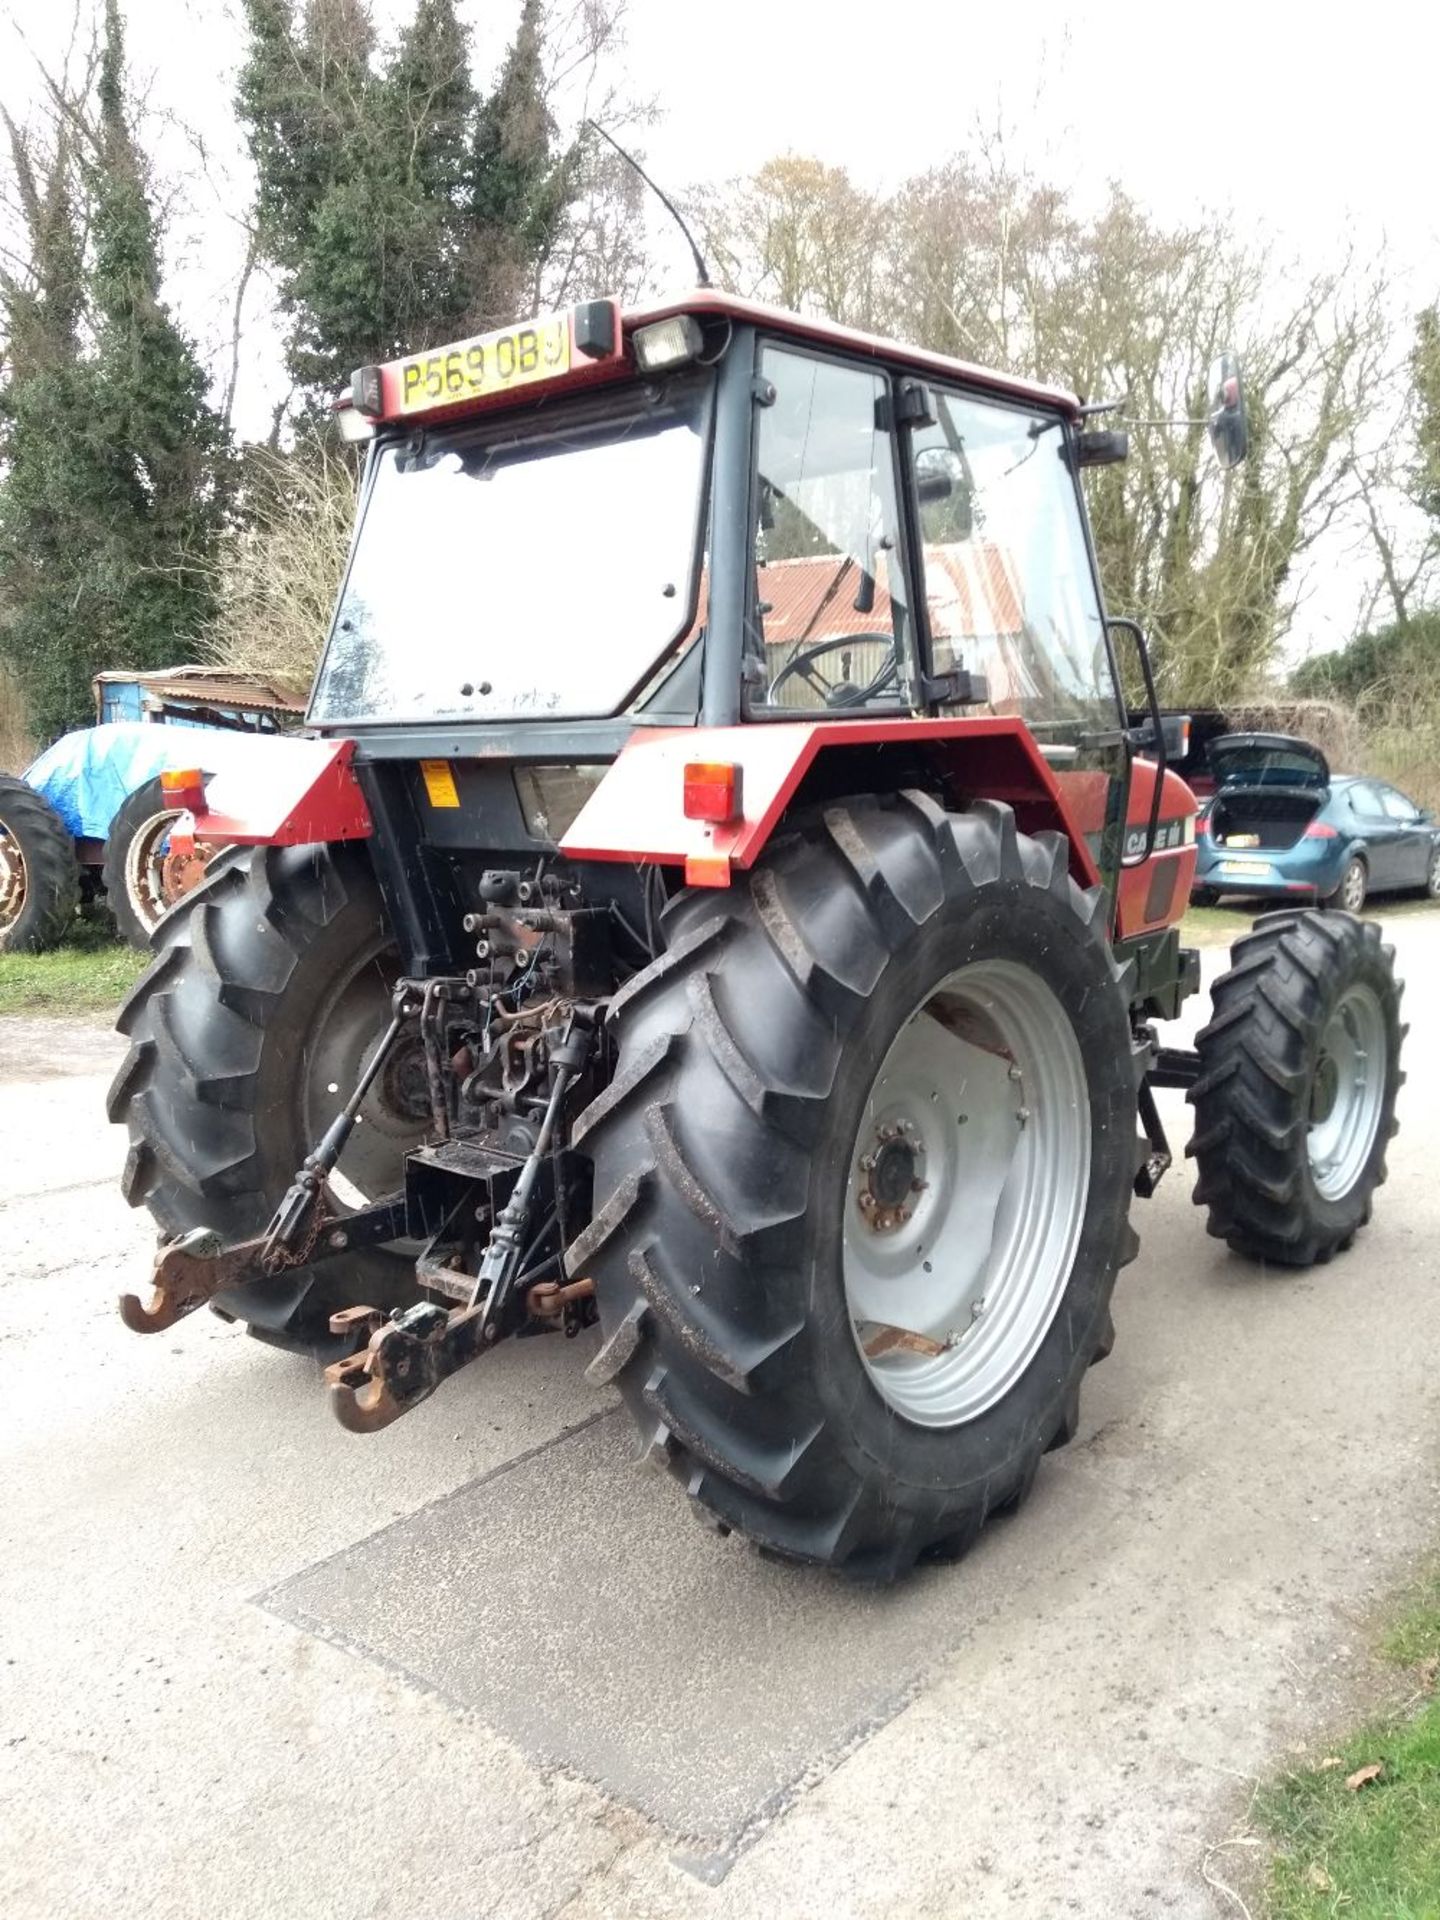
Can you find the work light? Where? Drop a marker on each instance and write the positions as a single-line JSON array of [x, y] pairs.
[[666, 343], [353, 425]]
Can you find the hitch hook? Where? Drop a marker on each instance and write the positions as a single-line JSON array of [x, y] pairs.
[[403, 1362], [188, 1271]]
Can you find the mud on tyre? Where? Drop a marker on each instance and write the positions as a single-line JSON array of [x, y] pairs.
[[728, 1151]]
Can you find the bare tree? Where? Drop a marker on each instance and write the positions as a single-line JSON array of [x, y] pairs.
[[990, 263]]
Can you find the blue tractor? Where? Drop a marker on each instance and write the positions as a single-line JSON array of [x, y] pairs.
[[87, 816]]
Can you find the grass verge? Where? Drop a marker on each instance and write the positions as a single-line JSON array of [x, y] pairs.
[[89, 974], [1360, 1843], [1218, 926]]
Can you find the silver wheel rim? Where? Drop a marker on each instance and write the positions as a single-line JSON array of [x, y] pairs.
[[1347, 1092], [1435, 872], [966, 1193], [1352, 895], [395, 1113]]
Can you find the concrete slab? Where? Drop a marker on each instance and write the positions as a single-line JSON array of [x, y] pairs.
[[570, 1600]]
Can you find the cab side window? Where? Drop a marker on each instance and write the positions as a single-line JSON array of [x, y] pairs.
[[829, 623], [1009, 588]]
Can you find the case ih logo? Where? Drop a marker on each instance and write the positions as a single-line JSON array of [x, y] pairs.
[[1169, 834]]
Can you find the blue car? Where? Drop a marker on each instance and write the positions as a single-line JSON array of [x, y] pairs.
[[1279, 822]]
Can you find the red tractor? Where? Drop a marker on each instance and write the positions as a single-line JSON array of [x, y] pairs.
[[726, 901]]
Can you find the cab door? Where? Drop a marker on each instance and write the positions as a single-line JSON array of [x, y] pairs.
[[1008, 592]]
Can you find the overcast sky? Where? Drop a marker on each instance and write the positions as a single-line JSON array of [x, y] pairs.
[[1315, 125]]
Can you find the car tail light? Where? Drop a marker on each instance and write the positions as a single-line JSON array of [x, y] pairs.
[[1202, 824], [183, 790], [712, 791], [1318, 830]]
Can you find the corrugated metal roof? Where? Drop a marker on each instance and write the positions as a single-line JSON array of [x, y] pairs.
[[214, 686]]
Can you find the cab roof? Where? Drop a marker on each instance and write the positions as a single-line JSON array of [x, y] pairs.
[[589, 343], [711, 301]]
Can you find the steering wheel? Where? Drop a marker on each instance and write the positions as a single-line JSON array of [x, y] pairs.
[[842, 693]]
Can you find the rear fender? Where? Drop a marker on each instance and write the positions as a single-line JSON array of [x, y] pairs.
[[637, 811], [287, 793]]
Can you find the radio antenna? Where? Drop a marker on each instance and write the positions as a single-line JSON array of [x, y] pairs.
[[702, 272]]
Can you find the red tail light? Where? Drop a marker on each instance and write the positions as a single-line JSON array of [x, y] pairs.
[[712, 791], [183, 789], [1317, 830], [1202, 824]]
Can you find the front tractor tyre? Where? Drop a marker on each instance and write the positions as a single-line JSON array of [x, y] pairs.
[[862, 1180], [1298, 1073], [270, 987], [39, 874]]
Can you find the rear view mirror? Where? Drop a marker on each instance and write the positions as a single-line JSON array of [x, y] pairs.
[[1229, 429], [942, 483], [938, 472], [1174, 732]]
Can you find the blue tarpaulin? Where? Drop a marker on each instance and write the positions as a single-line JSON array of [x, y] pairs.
[[88, 775]]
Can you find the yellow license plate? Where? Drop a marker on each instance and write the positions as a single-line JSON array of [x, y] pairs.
[[1253, 867], [491, 363]]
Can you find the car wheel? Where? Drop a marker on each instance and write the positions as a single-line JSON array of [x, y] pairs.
[[1432, 879], [1204, 897], [1353, 887]]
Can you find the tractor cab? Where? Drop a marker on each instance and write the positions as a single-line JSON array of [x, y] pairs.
[[602, 527]]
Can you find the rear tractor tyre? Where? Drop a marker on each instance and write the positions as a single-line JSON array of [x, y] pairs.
[[271, 985], [143, 876], [862, 1180], [1295, 1100], [39, 874]]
